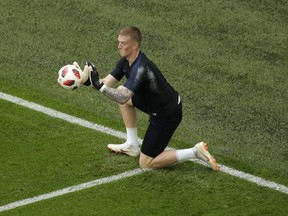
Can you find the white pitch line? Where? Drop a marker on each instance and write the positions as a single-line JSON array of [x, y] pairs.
[[250, 178], [112, 132], [71, 189]]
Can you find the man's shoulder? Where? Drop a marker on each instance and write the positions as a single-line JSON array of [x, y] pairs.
[[143, 57], [141, 60]]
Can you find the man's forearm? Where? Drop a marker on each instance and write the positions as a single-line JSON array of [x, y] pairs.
[[118, 95]]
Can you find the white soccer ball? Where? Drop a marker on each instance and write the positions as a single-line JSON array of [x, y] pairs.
[[70, 77]]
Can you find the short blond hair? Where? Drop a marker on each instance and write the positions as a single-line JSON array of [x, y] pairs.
[[133, 32]]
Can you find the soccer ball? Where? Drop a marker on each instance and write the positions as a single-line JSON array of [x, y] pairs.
[[70, 77]]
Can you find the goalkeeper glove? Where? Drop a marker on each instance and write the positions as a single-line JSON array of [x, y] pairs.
[[94, 77], [85, 74]]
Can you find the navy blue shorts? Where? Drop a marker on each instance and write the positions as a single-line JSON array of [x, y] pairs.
[[160, 131]]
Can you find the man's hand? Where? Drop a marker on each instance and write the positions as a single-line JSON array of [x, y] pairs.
[[85, 75], [94, 76]]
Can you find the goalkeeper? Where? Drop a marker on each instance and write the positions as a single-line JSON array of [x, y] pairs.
[[148, 90]]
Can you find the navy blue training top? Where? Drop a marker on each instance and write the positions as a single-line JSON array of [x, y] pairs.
[[152, 93]]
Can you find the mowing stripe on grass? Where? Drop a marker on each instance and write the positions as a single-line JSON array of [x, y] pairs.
[[112, 132], [71, 189]]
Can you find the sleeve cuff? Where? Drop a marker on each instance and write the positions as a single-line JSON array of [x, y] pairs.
[[102, 88]]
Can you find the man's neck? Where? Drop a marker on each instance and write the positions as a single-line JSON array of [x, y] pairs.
[[132, 58]]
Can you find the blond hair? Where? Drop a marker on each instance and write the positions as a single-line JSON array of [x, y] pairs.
[[133, 32]]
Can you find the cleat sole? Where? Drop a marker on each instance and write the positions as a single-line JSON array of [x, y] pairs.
[[121, 151], [204, 155], [214, 164]]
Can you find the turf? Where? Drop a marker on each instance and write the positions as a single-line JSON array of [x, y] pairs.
[[44, 154], [228, 61], [162, 193]]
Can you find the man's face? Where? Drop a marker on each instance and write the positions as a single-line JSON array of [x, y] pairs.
[[125, 45]]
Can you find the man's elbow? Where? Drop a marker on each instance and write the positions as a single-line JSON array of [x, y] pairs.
[[126, 95]]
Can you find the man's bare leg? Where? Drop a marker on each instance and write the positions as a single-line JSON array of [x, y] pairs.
[[128, 113], [131, 146], [168, 157], [164, 159]]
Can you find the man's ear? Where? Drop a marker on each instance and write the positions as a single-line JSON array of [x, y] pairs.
[[135, 45]]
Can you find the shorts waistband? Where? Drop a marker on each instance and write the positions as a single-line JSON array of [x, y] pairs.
[[168, 115]]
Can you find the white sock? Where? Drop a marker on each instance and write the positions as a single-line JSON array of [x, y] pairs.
[[185, 154], [132, 136]]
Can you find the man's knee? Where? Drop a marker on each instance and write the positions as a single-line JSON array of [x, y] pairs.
[[145, 162], [120, 87], [143, 165]]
